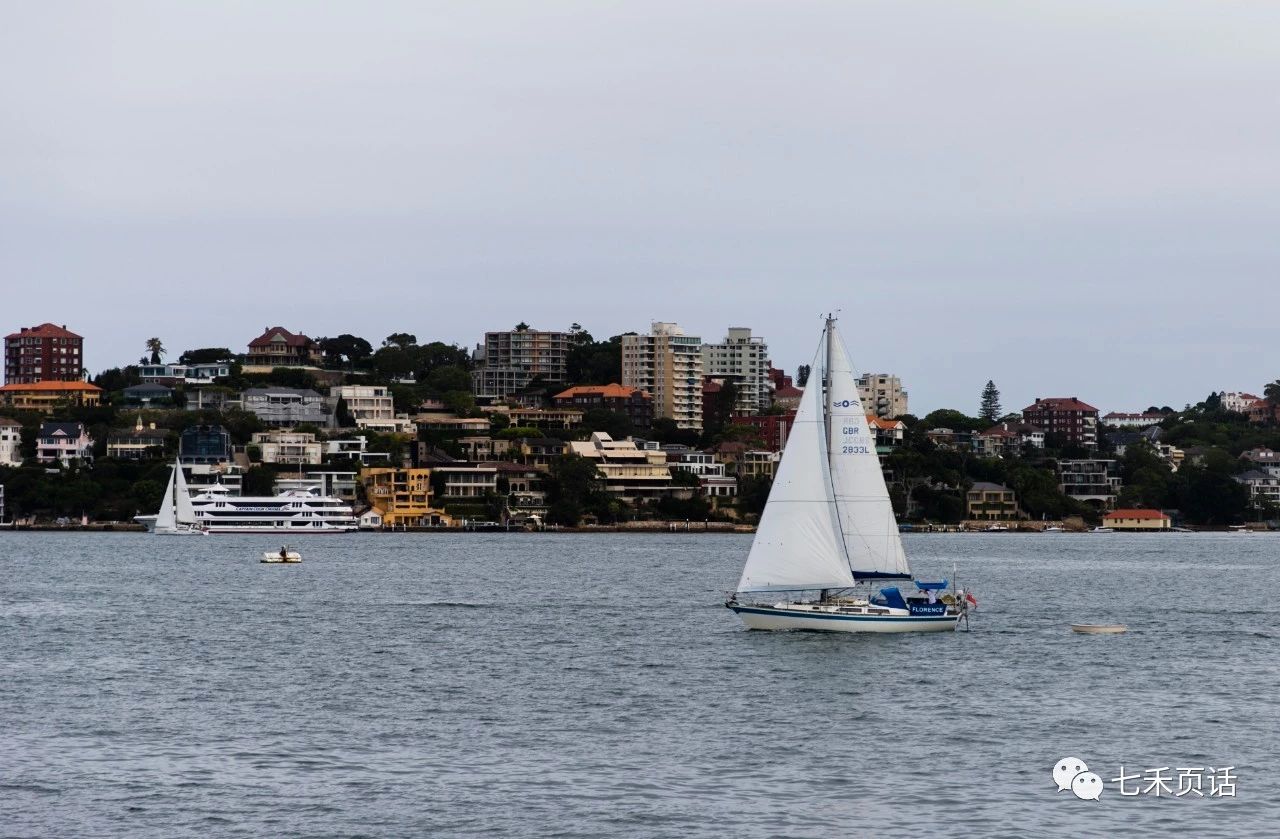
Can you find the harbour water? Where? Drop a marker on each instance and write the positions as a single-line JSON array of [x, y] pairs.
[[592, 686]]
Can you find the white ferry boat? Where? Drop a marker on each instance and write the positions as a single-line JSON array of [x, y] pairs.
[[293, 511]]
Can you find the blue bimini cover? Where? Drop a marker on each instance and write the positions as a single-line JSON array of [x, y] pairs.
[[890, 597], [924, 586]]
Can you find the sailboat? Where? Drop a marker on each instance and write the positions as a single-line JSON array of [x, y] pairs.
[[177, 515], [828, 527]]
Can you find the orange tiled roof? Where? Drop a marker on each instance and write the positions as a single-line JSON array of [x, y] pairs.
[[609, 391], [49, 386], [886, 424], [1135, 514], [45, 330]]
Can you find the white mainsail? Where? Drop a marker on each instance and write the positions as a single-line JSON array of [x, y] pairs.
[[797, 545], [185, 511], [867, 524], [166, 521]]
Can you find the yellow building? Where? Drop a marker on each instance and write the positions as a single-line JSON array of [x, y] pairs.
[[1136, 520], [402, 497], [48, 396]]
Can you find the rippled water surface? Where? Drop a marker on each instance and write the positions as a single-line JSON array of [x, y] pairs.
[[574, 685]]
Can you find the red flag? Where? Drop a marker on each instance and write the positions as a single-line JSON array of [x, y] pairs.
[[971, 599]]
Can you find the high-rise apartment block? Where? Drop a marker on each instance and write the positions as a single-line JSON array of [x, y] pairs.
[[1074, 420], [882, 394], [744, 361], [668, 364], [44, 353], [508, 361]]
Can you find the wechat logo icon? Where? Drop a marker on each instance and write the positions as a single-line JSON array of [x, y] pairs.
[[1071, 773]]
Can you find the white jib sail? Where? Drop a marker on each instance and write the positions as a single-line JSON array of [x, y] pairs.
[[165, 519], [797, 543], [185, 510], [867, 524]]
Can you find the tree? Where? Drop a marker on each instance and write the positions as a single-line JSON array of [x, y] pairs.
[[720, 409], [802, 375], [522, 327], [342, 414], [594, 362], [573, 487], [206, 355], [156, 349], [990, 410], [401, 340], [345, 350]]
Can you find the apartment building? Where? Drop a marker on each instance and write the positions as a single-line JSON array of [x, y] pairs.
[[1068, 417], [44, 353], [10, 442], [668, 365], [882, 394], [508, 361], [742, 359]]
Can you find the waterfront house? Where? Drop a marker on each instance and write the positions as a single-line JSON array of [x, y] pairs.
[[10, 442], [1136, 520], [63, 442], [986, 501], [1264, 487], [288, 447], [286, 406], [49, 396], [1094, 481], [186, 374], [540, 452], [278, 347], [628, 472], [147, 395], [138, 443], [402, 497], [1264, 459]]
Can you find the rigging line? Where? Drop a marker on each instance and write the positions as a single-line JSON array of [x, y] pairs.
[[826, 441]]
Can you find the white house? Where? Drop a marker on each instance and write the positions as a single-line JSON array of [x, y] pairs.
[[10, 442]]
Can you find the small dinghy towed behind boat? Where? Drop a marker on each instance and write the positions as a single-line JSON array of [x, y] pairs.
[[284, 555]]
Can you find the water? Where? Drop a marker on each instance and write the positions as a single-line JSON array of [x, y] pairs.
[[573, 685]]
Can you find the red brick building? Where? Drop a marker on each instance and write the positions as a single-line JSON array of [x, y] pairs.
[[44, 353], [1066, 416], [633, 402]]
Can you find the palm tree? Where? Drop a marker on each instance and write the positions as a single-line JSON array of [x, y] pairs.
[[156, 349]]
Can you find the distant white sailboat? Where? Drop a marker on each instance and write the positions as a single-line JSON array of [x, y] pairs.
[[177, 516], [828, 527]]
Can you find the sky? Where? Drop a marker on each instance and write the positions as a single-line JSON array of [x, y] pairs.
[[1069, 198]]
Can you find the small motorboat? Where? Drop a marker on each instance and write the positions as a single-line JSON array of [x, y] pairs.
[[1054, 529], [284, 555], [1098, 628], [1103, 530]]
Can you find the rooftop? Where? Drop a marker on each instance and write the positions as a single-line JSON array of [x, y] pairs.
[[1135, 514], [45, 330]]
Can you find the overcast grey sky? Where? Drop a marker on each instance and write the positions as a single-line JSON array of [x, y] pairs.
[[1070, 198]]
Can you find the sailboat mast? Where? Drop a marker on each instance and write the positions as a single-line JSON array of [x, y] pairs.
[[826, 384], [828, 409]]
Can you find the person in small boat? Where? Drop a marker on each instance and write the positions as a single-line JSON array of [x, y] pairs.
[[283, 554], [932, 595]]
